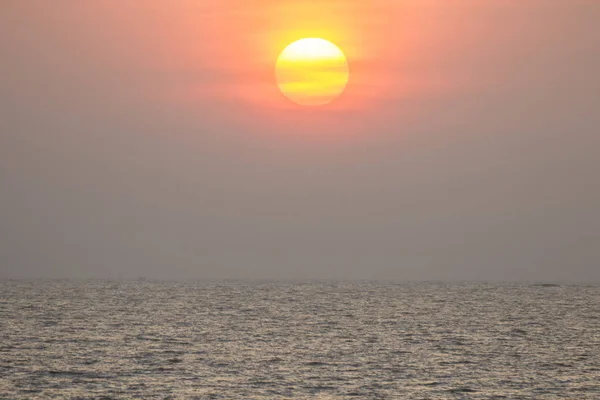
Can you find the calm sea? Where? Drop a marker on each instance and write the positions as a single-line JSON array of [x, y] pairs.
[[333, 340]]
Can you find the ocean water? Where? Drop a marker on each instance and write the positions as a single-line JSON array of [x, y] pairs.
[[312, 340]]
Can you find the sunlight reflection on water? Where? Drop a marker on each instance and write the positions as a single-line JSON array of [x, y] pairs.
[[327, 340]]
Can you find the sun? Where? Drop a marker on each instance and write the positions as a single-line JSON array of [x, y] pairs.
[[312, 72]]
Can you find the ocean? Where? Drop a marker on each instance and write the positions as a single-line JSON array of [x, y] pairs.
[[298, 340]]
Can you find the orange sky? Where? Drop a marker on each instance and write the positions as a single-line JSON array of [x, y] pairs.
[[248, 39], [141, 136], [220, 54], [193, 53]]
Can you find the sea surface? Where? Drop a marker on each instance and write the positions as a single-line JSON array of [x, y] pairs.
[[310, 340]]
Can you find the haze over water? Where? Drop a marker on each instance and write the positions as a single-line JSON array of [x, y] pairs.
[[150, 138], [312, 340]]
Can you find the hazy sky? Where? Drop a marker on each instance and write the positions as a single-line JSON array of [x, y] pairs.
[[148, 138]]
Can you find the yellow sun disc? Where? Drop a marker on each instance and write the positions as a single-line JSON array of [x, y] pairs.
[[312, 72]]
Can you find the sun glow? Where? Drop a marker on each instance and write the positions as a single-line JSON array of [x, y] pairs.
[[312, 72]]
